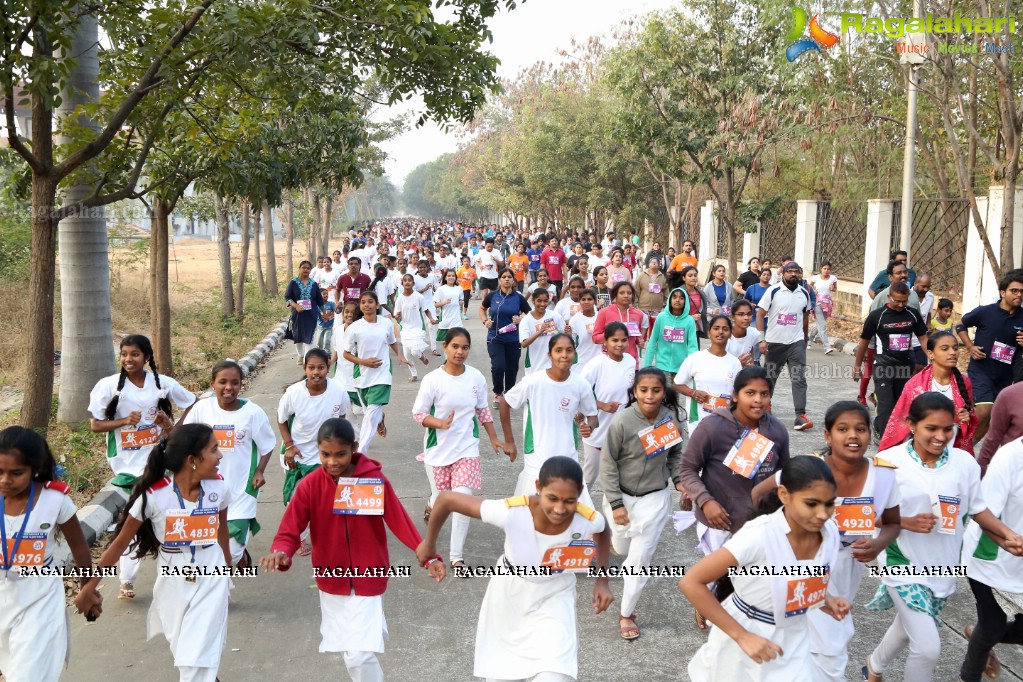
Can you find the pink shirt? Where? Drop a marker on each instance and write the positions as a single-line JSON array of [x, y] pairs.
[[554, 263], [610, 314]]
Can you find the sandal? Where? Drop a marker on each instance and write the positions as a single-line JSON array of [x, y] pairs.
[[382, 429], [869, 675], [246, 560], [127, 591], [701, 622], [628, 632], [425, 360], [994, 667], [427, 512], [460, 569], [413, 380], [305, 549]]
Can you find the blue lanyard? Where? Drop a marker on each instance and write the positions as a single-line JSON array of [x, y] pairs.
[[9, 561], [181, 501]]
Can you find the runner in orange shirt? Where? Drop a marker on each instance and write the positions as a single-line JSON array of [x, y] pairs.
[[466, 278], [519, 262]]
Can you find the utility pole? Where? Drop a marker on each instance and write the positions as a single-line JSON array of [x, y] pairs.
[[914, 60]]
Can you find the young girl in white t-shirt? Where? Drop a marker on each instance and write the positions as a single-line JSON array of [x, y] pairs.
[[448, 302], [825, 284], [610, 374], [535, 327], [744, 342], [412, 313], [707, 377], [580, 328]]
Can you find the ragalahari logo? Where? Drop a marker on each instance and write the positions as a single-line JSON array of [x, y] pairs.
[[820, 39]]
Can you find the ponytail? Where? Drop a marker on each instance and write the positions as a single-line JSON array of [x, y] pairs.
[[957, 376], [112, 405]]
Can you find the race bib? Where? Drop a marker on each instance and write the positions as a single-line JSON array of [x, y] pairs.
[[654, 288], [574, 308], [786, 319], [305, 304], [633, 328], [589, 328], [549, 327], [674, 334], [554, 260], [31, 550], [353, 292], [716, 401], [359, 496], [1003, 352], [224, 436], [196, 528], [946, 508], [140, 437], [855, 516], [659, 437], [748, 453], [575, 557], [803, 594], [898, 342], [617, 278]]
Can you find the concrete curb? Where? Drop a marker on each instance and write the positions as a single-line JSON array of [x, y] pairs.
[[103, 509]]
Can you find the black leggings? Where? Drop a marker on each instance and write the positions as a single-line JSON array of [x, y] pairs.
[[993, 627], [467, 296], [504, 364]]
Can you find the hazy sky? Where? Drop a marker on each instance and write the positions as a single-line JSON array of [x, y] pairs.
[[536, 30]]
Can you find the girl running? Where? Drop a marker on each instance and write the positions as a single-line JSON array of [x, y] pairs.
[[718, 293], [181, 519], [939, 486], [426, 283], [635, 475], [600, 277], [569, 304], [708, 376], [346, 538], [34, 633], [617, 272], [728, 453], [542, 283], [697, 300], [411, 312], [867, 516], [610, 376], [134, 408], [527, 624], [346, 378], [622, 310], [303, 298], [534, 328], [763, 630], [941, 376], [744, 342], [552, 399], [245, 441], [383, 286], [466, 280], [580, 328], [366, 343], [451, 405], [825, 284], [673, 338], [449, 305], [303, 407]]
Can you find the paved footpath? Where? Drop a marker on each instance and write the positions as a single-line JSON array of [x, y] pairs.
[[274, 619]]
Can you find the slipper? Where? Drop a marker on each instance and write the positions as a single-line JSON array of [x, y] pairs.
[[869, 675], [127, 591], [427, 512], [460, 569], [382, 430], [994, 667], [437, 353], [413, 380], [628, 632], [425, 360], [305, 549], [246, 560]]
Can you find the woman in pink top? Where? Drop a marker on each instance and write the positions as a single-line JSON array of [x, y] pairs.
[[621, 310], [616, 270]]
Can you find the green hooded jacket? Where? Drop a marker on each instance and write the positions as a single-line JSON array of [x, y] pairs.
[[668, 355]]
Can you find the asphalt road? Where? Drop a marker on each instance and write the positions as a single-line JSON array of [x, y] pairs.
[[274, 619]]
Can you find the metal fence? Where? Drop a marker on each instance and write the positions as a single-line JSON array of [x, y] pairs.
[[938, 241], [841, 236], [722, 247], [778, 233]]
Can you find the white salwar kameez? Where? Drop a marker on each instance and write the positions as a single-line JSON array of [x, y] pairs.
[[191, 615], [762, 542], [527, 625], [638, 540], [355, 627]]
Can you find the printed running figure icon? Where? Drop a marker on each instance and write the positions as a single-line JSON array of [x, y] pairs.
[[346, 495], [178, 529], [556, 557], [799, 594], [743, 463], [651, 440]]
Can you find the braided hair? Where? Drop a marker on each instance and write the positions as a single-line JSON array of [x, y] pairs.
[[145, 345]]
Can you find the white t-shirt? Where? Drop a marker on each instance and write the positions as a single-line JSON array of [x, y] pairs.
[[958, 478], [926, 305], [582, 332], [161, 497], [440, 394], [425, 286], [124, 455], [305, 414], [365, 340], [739, 347], [383, 289], [710, 373], [611, 382], [537, 355], [411, 310], [597, 261], [488, 262], [451, 313], [327, 280], [51, 509], [448, 262], [243, 436], [784, 311], [550, 289], [566, 308], [343, 370], [1002, 485], [551, 406], [823, 286]]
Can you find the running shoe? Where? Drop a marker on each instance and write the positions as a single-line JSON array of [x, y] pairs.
[[829, 350], [861, 400], [803, 423]]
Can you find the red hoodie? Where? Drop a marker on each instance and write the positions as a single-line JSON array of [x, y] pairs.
[[344, 540]]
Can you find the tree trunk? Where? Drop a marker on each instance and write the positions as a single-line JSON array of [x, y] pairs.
[[86, 326], [239, 296], [257, 219], [1007, 261], [313, 213], [35, 408], [287, 217], [271, 255], [159, 285], [325, 227], [224, 254]]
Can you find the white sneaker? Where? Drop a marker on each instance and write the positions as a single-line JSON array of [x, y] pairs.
[[809, 346], [829, 350]]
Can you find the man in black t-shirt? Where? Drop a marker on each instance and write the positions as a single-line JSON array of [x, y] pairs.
[[748, 278], [894, 326]]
